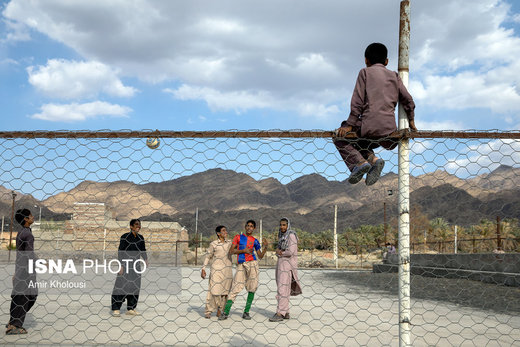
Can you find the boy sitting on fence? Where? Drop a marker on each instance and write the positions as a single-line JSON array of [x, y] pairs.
[[372, 116]]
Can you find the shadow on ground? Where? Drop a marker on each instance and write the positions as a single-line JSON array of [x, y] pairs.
[[461, 292]]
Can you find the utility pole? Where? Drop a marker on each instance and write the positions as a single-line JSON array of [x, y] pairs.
[[2, 232], [336, 235], [196, 233], [455, 240], [260, 230], [384, 222], [11, 227], [388, 192], [499, 238], [40, 217]]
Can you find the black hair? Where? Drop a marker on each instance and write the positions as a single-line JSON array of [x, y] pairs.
[[252, 222], [376, 53], [284, 220], [133, 221], [219, 229], [20, 216]]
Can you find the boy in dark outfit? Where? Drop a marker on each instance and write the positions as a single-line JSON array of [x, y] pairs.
[[372, 116], [128, 281], [24, 291]]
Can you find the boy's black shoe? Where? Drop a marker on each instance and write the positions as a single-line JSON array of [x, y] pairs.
[[223, 316], [276, 318], [287, 316], [246, 316], [375, 172], [358, 173]]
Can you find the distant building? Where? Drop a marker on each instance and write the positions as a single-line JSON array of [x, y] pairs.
[[93, 227], [90, 214]]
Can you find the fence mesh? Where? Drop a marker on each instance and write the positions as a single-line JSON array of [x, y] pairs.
[[83, 191]]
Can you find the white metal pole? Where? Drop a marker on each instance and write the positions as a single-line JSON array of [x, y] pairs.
[[2, 233], [336, 235], [196, 221], [104, 242], [196, 231], [260, 230], [455, 239], [404, 185]]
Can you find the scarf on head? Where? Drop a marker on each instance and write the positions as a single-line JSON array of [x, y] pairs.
[[283, 238]]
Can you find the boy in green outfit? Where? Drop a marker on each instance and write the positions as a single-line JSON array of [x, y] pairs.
[[245, 245]]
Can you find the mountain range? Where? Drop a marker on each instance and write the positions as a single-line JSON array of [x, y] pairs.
[[230, 198]]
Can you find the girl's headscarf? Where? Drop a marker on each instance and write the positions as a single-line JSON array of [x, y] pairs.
[[283, 238]]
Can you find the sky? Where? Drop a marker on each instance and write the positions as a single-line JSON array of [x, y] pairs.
[[229, 64], [199, 65]]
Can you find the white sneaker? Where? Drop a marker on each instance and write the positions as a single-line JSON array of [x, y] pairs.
[[116, 313], [132, 313]]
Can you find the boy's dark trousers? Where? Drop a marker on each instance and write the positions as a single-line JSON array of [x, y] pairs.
[[20, 305], [356, 150], [117, 301]]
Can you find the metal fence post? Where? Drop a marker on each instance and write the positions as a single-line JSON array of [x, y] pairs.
[[404, 184], [176, 252], [335, 236], [11, 227], [499, 238], [455, 241]]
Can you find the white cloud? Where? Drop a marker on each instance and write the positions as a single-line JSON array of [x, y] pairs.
[[419, 146], [80, 112], [17, 31], [219, 26], [242, 101], [66, 79], [8, 61], [470, 89], [216, 100], [443, 125], [276, 55], [485, 157], [465, 57], [249, 52]]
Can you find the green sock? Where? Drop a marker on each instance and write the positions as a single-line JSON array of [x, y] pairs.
[[250, 297], [227, 308]]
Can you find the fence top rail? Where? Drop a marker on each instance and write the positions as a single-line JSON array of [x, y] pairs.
[[465, 134]]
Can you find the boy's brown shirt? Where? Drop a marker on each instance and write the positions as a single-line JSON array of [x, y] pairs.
[[375, 96]]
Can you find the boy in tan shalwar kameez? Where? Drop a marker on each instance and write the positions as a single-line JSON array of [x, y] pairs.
[[221, 275]]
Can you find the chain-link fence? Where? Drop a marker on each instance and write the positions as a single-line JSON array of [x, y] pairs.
[[83, 188]]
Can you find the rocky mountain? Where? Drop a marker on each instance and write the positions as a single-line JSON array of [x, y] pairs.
[[228, 197], [503, 177], [125, 199], [28, 201], [219, 190]]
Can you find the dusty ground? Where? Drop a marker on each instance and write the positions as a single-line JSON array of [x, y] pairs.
[[338, 307]]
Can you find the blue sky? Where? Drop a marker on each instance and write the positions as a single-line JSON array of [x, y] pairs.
[[248, 65], [199, 65]]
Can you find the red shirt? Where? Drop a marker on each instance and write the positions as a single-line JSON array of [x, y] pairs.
[[242, 242]]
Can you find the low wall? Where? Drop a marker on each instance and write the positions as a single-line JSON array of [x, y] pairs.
[[493, 268]]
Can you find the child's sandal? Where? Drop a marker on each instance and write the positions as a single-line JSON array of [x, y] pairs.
[[15, 331]]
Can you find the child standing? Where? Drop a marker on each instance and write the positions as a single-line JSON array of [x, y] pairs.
[[221, 275], [244, 246], [372, 116], [24, 291]]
